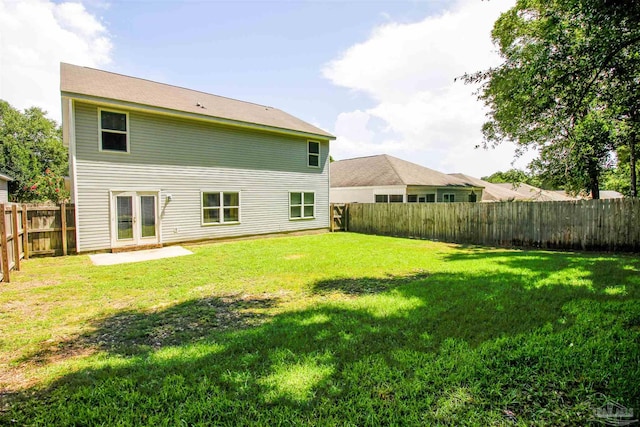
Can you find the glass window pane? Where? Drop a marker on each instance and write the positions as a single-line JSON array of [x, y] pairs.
[[412, 198], [308, 211], [314, 160], [210, 200], [395, 198], [314, 147], [114, 141], [231, 214], [381, 198], [210, 215], [148, 213], [124, 212], [231, 199], [114, 121], [296, 212], [296, 198], [431, 198], [308, 198]]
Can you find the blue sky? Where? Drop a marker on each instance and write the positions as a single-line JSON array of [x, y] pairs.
[[378, 75]]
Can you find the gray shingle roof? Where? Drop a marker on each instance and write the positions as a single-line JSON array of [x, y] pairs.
[[388, 170], [103, 84], [529, 192], [492, 192]]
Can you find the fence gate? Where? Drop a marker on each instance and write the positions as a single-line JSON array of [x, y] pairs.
[[338, 217]]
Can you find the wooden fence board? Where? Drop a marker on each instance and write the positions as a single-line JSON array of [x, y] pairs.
[[610, 225]]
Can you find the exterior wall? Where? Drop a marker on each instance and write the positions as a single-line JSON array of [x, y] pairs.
[[4, 191], [363, 194], [183, 157], [461, 194], [367, 194]]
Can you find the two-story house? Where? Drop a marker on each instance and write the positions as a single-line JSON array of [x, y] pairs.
[[152, 163]]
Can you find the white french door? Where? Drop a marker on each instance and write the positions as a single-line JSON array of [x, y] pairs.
[[134, 218]]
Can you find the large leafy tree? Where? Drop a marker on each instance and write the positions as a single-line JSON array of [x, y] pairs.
[[32, 153], [560, 58]]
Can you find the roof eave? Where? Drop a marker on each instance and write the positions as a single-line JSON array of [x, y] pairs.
[[185, 114]]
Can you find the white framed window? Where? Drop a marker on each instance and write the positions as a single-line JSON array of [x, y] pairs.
[[302, 205], [313, 154], [412, 198], [430, 198], [448, 198], [220, 207], [113, 131], [389, 198]]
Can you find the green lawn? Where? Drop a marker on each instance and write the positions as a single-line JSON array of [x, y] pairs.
[[330, 329]]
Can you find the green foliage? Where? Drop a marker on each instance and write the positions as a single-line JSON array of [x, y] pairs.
[[564, 62], [31, 152], [335, 329], [513, 176]]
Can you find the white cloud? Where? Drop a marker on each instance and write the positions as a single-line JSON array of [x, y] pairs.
[[408, 70], [35, 36]]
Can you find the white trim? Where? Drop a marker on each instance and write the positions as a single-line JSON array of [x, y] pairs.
[[73, 168], [137, 238], [220, 208], [127, 133], [184, 114], [302, 206], [319, 154]]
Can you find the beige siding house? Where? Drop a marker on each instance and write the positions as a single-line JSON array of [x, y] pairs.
[[387, 179], [4, 188], [152, 164]]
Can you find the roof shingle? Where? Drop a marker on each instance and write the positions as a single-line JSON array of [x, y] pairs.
[[103, 84], [388, 170]]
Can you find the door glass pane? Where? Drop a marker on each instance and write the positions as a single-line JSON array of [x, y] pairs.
[[124, 212], [148, 216]]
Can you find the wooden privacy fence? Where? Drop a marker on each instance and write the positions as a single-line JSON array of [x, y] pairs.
[[32, 230], [609, 225]]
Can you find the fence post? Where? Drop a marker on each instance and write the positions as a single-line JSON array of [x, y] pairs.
[[15, 237], [63, 219], [25, 232], [3, 242]]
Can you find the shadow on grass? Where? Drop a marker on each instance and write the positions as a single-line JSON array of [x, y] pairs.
[[442, 348]]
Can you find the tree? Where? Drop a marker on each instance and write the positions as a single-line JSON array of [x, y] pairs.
[[513, 176], [31, 152], [559, 57]]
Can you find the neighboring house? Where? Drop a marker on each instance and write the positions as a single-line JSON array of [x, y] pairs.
[[492, 192], [387, 179], [529, 192], [4, 188], [604, 194], [152, 163]]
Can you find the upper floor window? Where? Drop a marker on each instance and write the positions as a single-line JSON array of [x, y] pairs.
[[114, 131], [220, 207], [313, 154]]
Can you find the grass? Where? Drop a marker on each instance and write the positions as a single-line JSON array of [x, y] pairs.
[[332, 329]]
